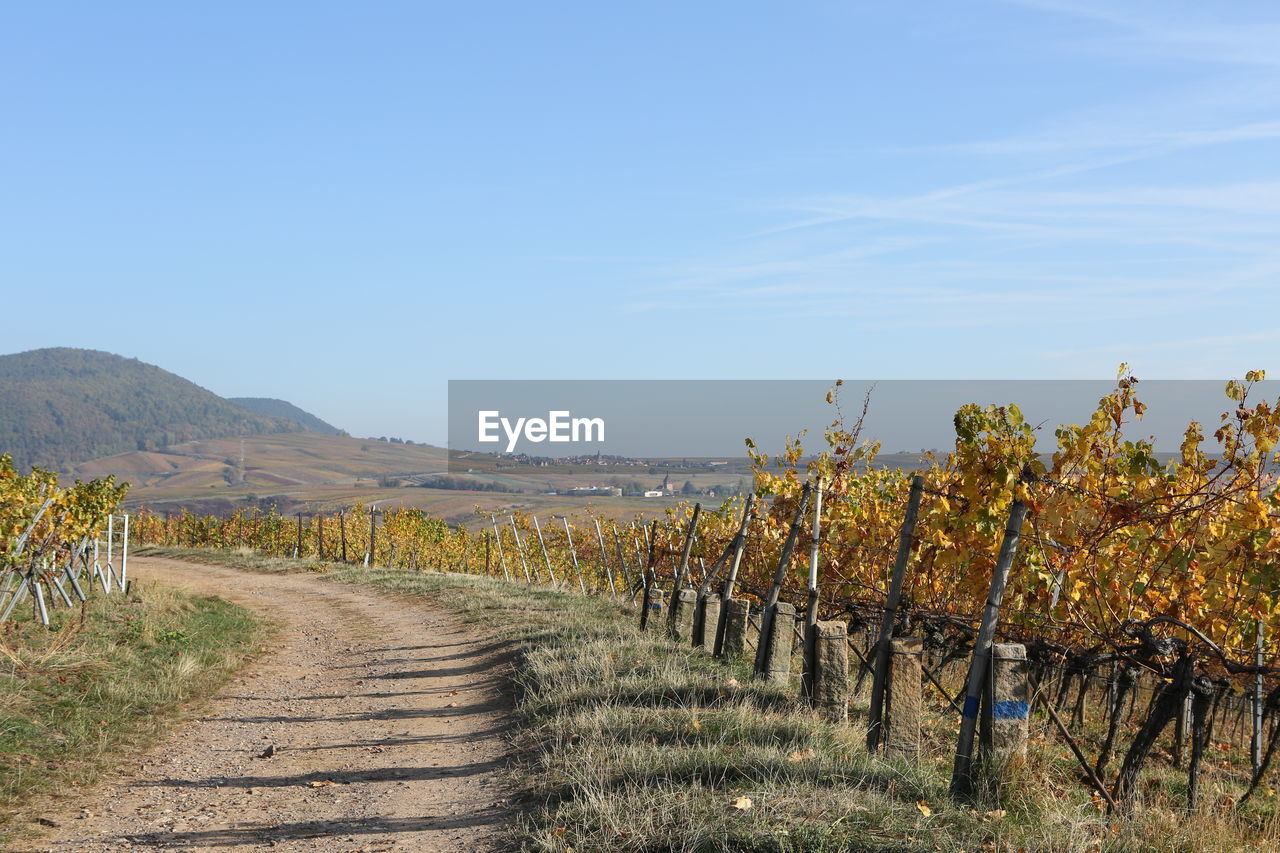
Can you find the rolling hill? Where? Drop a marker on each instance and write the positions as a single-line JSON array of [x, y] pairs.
[[89, 414], [61, 406], [283, 409]]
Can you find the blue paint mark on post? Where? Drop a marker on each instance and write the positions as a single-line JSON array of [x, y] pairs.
[[971, 706], [1011, 710]]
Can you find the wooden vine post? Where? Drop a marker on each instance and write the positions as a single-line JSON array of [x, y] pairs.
[[546, 557], [1255, 743], [962, 771], [650, 577], [731, 580], [880, 669], [497, 537], [573, 555], [604, 558], [769, 607], [515, 531], [682, 570], [641, 565], [342, 534], [622, 563], [807, 676], [707, 609]]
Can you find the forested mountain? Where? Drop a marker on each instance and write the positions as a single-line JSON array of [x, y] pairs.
[[284, 409], [61, 406]]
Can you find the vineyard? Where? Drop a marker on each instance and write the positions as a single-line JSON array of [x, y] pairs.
[[1144, 591], [57, 543]]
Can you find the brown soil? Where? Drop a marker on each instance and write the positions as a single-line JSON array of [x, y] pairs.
[[386, 718]]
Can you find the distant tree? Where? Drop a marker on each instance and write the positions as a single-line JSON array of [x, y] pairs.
[[688, 488]]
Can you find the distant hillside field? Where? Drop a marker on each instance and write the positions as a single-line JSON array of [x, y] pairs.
[[304, 472], [62, 406], [272, 463], [284, 409]]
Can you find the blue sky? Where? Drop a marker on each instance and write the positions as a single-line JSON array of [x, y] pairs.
[[345, 204]]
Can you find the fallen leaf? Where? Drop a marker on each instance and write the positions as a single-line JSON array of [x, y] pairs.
[[802, 755], [321, 783], [924, 808], [741, 803]]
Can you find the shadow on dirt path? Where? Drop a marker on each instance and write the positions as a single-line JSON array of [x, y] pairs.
[[383, 721]]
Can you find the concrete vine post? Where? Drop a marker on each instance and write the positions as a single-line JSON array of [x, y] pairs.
[[124, 553], [765, 645], [961, 773], [880, 671], [707, 615]]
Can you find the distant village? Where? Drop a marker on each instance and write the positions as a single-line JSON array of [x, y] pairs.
[[607, 460], [666, 490], [606, 475]]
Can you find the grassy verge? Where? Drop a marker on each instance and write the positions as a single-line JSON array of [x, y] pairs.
[[108, 680], [629, 742]]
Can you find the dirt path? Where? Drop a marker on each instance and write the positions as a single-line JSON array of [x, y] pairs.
[[386, 718]]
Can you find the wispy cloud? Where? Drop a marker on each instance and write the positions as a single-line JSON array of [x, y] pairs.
[[1188, 31], [1137, 210], [1143, 142]]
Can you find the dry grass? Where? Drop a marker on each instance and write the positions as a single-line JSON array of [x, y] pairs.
[[630, 743], [108, 680]]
